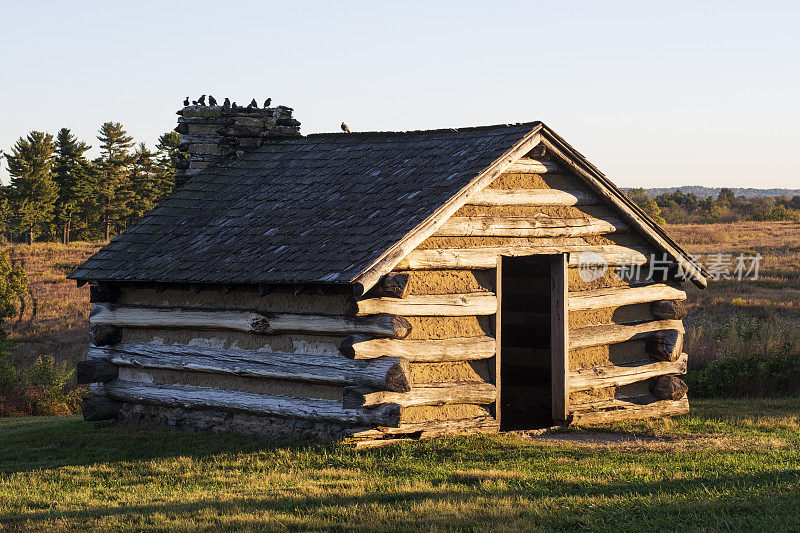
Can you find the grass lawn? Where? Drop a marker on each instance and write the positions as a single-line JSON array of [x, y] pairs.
[[729, 465]]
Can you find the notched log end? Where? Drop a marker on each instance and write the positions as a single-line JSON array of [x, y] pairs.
[[401, 326], [96, 408], [665, 345], [669, 309], [95, 371], [392, 285], [105, 334], [398, 377], [346, 346], [260, 324], [668, 388], [104, 292]]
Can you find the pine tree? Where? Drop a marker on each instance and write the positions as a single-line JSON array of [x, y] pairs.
[[33, 191], [71, 173], [144, 182], [169, 153], [113, 183]]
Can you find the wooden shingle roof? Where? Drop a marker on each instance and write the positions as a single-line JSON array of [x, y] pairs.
[[333, 208]]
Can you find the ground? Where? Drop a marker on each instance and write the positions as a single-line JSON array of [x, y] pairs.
[[729, 465]]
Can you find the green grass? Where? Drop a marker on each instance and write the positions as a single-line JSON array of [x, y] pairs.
[[730, 465]]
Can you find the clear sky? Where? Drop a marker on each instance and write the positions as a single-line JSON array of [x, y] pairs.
[[654, 93]]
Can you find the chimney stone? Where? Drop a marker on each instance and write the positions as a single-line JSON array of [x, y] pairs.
[[215, 133]]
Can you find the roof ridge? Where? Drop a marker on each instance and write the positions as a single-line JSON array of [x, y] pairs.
[[420, 132]]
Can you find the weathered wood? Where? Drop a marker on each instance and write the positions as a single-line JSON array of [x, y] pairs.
[[95, 371], [419, 351], [617, 402], [614, 333], [599, 377], [668, 388], [665, 345], [391, 285], [105, 334], [496, 369], [476, 303], [435, 393], [191, 397], [250, 322], [383, 373], [669, 309], [98, 408], [560, 337], [391, 256], [613, 297], [658, 409], [534, 166], [104, 292], [435, 428], [534, 197], [539, 226], [485, 257]]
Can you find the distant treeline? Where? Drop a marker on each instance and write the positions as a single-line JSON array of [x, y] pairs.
[[56, 193], [704, 192], [681, 208]]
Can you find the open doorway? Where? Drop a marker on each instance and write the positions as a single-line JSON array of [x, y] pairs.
[[528, 336]]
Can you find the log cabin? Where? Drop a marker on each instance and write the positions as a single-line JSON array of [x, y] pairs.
[[384, 285]]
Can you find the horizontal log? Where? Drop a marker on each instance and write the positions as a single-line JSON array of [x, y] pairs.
[[668, 388], [659, 409], [420, 351], [104, 292], [600, 298], [391, 285], [669, 309], [105, 334], [619, 401], [433, 428], [475, 303], [614, 333], [599, 377], [665, 345], [191, 397], [485, 257], [383, 373], [534, 197], [438, 393], [96, 371], [534, 166], [249, 322], [98, 408], [541, 226]]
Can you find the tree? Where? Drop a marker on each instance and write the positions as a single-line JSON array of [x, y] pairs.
[[647, 204], [33, 191], [13, 286], [144, 182], [169, 154], [71, 173], [113, 184]]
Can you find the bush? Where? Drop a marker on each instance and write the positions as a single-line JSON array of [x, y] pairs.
[[759, 373]]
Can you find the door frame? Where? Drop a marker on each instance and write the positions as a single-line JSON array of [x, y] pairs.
[[559, 336]]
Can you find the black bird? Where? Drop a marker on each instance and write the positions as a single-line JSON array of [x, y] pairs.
[[253, 104], [202, 100], [194, 102], [267, 102], [345, 128], [212, 100], [186, 102], [227, 103], [234, 106]]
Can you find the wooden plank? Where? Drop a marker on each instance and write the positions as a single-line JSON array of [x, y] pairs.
[[614, 333], [419, 351], [614, 376], [539, 226], [527, 165], [485, 257], [613, 297], [534, 197], [435, 428], [468, 304], [559, 337], [192, 397], [383, 373], [619, 401], [390, 258], [669, 309], [657, 409], [249, 322], [435, 393]]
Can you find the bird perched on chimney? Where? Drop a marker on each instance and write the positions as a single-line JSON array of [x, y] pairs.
[[226, 104], [212, 100], [186, 102], [345, 128], [267, 102], [234, 106], [202, 100], [253, 104]]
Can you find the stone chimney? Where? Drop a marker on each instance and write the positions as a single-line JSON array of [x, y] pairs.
[[214, 133]]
